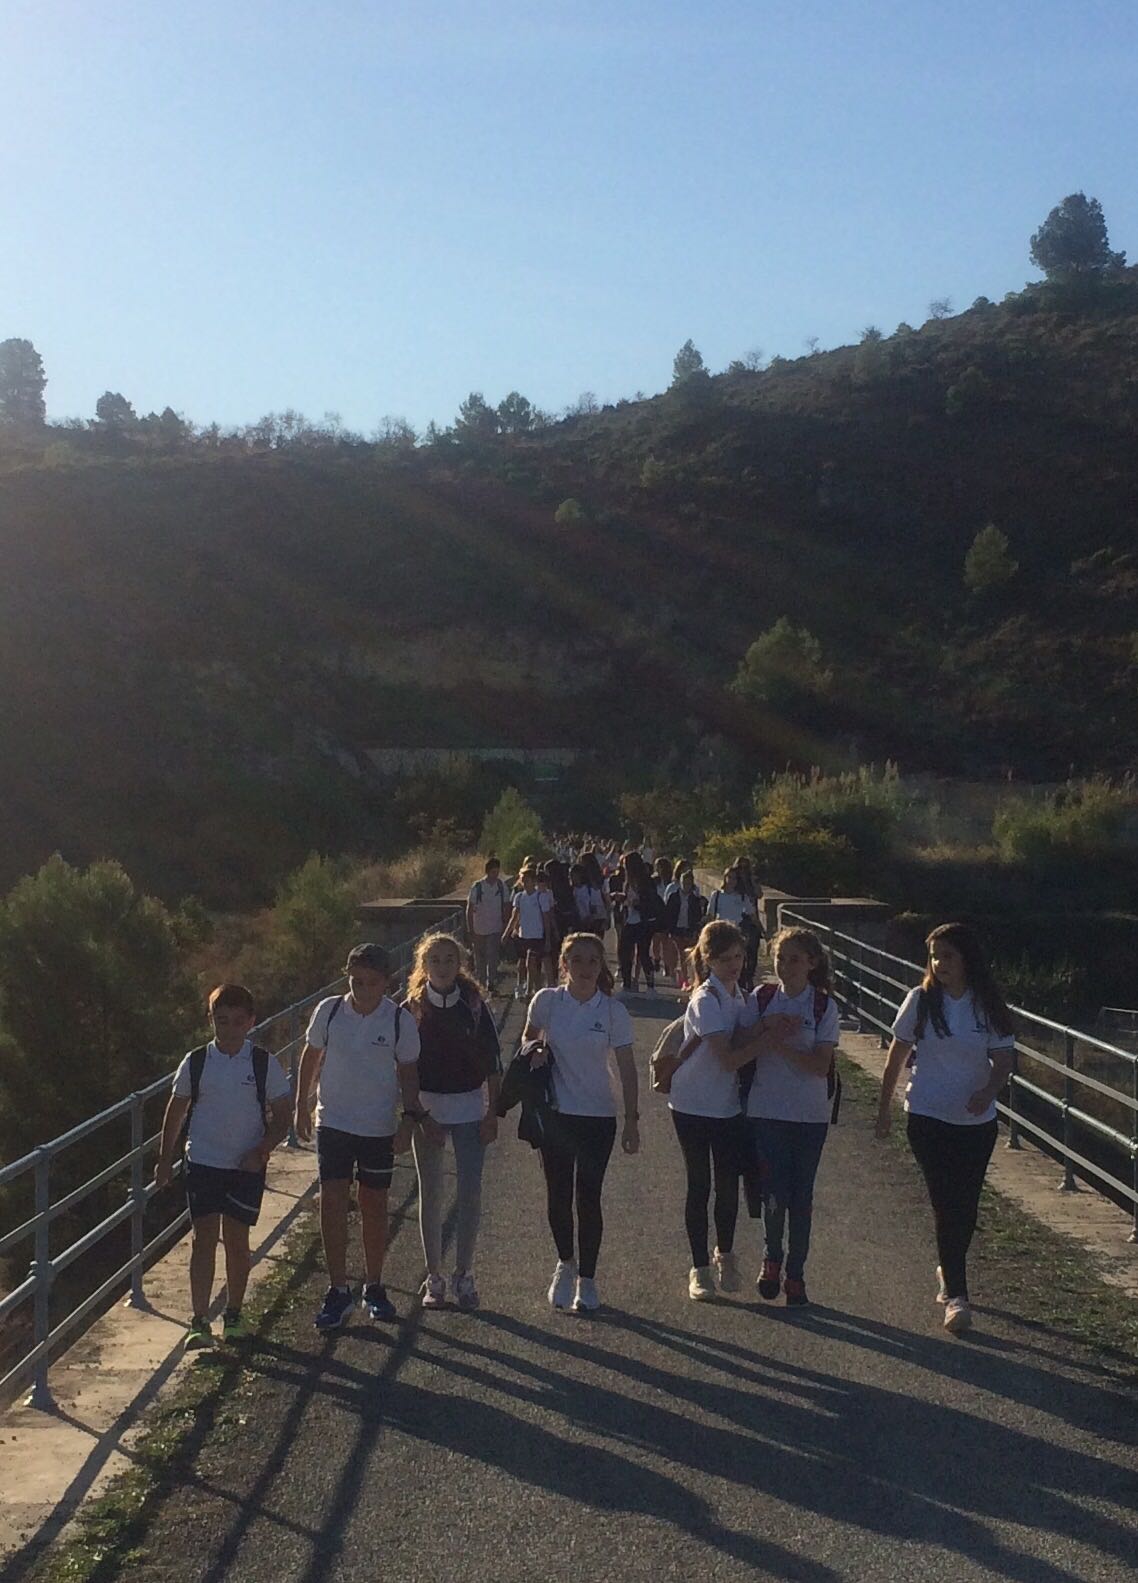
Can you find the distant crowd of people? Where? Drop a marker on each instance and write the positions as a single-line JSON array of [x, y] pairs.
[[748, 1071]]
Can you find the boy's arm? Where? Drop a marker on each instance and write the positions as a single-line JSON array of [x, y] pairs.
[[280, 1114], [176, 1113], [310, 1059]]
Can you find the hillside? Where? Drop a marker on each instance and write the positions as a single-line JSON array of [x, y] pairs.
[[197, 646]]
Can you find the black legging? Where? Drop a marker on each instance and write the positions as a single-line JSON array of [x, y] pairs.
[[635, 939], [705, 1139], [953, 1158], [577, 1145]]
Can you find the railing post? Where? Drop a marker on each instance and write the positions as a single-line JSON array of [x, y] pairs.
[[1133, 1237], [1068, 1184], [1013, 1124], [41, 1268], [137, 1298]]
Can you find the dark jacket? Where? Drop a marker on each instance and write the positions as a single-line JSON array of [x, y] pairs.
[[531, 1087], [695, 912]]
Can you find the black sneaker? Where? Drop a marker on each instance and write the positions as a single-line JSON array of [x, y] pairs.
[[769, 1282], [795, 1293], [377, 1302], [335, 1309]]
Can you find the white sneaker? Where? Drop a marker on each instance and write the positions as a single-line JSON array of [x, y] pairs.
[[957, 1315], [519, 993], [727, 1267], [586, 1300], [563, 1285], [700, 1285], [464, 1291], [434, 1292], [941, 1288]]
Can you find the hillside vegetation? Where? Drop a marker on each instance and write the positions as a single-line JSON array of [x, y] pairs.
[[201, 635]]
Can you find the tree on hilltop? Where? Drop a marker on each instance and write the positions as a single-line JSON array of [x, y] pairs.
[[688, 362], [114, 411], [1072, 243], [22, 382], [783, 661], [477, 419], [516, 414]]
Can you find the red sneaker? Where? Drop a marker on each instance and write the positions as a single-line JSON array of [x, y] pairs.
[[795, 1293]]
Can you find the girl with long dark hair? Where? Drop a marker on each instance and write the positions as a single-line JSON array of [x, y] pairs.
[[958, 1032]]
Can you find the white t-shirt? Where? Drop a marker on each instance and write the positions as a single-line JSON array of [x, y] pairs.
[[492, 913], [581, 1034], [702, 1085], [590, 903], [532, 907], [782, 1091], [359, 1086], [730, 905], [947, 1072], [226, 1121]]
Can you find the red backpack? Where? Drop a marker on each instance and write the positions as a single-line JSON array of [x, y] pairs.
[[764, 994]]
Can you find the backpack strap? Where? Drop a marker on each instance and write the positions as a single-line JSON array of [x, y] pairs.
[[713, 905], [261, 1060], [765, 993], [478, 893], [197, 1067]]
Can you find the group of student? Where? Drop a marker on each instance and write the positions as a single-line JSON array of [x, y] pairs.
[[656, 909], [748, 1074]]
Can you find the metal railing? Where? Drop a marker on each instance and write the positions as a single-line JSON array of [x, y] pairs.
[[47, 1333], [872, 983]]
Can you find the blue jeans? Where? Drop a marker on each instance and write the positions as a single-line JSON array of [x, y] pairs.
[[789, 1152]]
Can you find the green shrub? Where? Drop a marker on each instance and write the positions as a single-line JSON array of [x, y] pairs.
[[430, 870], [789, 854], [865, 806], [1083, 822], [512, 830]]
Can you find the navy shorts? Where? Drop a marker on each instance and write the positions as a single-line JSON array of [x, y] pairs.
[[211, 1190], [342, 1155]]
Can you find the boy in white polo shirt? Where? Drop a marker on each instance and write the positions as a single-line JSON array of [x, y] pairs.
[[487, 914], [366, 1051], [222, 1092]]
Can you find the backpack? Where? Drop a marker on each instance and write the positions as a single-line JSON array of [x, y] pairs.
[[763, 997], [261, 1060]]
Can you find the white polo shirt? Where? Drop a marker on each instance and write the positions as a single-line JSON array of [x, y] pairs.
[[948, 1071], [730, 905], [226, 1121], [590, 903], [359, 1086], [702, 1085], [491, 913], [782, 1091], [687, 919], [581, 1035], [532, 907]]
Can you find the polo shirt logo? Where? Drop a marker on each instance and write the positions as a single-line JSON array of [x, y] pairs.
[[598, 1027]]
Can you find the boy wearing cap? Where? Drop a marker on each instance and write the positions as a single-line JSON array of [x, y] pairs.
[[366, 1053]]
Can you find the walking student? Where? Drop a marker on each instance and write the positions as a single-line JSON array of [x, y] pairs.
[[706, 1109], [487, 914], [642, 908], [683, 914], [531, 922], [460, 1068], [583, 1026], [789, 1102], [957, 1031], [362, 1052], [232, 1102], [590, 901]]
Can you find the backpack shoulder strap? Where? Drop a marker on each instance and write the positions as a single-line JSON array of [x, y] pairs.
[[261, 1060], [764, 994], [713, 905], [197, 1067], [821, 1004]]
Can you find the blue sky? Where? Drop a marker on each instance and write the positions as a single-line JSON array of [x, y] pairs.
[[378, 207]]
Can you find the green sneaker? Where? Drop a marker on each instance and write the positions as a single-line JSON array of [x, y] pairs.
[[199, 1337], [234, 1327]]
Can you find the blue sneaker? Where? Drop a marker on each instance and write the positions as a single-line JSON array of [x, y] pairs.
[[335, 1309], [377, 1302]]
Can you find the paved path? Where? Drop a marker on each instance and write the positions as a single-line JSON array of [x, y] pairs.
[[664, 1439]]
